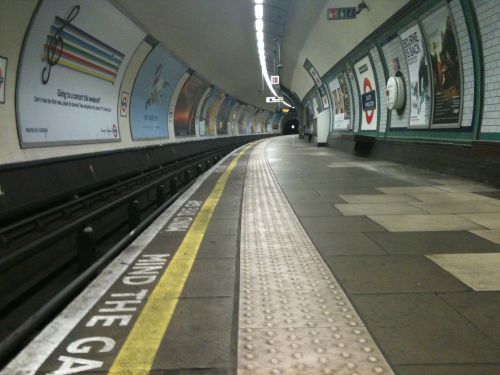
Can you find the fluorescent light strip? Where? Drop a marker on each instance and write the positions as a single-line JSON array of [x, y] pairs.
[[259, 27]]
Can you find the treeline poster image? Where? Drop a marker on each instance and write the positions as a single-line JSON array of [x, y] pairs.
[[443, 49], [187, 103]]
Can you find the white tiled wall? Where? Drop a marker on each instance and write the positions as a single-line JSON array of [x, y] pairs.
[[394, 50], [488, 14], [382, 83], [354, 97], [467, 65]]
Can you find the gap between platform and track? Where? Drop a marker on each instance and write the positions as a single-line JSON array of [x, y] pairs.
[[29, 360], [137, 354]]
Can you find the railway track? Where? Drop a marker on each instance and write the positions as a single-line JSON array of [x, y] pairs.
[[48, 257]]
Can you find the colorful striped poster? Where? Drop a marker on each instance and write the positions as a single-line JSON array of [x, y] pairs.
[[71, 68]]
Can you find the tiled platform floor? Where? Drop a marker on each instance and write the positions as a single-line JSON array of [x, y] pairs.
[[374, 222]]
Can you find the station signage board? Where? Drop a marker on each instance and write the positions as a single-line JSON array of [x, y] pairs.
[[341, 13], [274, 99]]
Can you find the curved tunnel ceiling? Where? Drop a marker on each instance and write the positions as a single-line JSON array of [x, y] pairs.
[[217, 38]]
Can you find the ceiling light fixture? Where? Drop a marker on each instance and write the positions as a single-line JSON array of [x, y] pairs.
[[259, 11], [259, 27]]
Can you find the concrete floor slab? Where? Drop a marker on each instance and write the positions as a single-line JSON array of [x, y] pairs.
[[450, 197], [467, 188], [223, 226], [316, 209], [481, 309], [450, 207], [339, 190], [421, 328], [339, 224], [491, 235], [488, 220], [209, 349], [412, 223], [479, 271], [218, 246], [410, 190], [376, 198], [377, 209], [432, 242], [345, 244], [211, 278], [446, 369], [391, 274]]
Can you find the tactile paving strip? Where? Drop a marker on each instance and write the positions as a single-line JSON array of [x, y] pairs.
[[294, 318]]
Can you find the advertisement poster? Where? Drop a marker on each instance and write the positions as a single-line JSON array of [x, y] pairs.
[[341, 103], [324, 97], [244, 120], [313, 72], [212, 111], [315, 105], [368, 90], [445, 62], [395, 61], [186, 105], [223, 115], [3, 70], [418, 69], [277, 122], [206, 103], [234, 116], [151, 94], [70, 73]]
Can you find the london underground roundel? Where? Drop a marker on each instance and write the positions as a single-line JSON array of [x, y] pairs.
[[368, 91]]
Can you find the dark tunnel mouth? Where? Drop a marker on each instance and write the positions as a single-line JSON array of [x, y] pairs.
[[291, 127]]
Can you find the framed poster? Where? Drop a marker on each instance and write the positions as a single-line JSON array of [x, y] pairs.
[[341, 103], [419, 76], [187, 104], [313, 73], [71, 69], [368, 89], [446, 67], [3, 74], [151, 95]]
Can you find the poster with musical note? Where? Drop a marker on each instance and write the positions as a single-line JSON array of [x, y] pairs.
[[71, 68]]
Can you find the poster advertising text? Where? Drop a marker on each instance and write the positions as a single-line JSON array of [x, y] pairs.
[[153, 88], [234, 116], [341, 103], [212, 112], [3, 72], [187, 104], [446, 69], [368, 91], [418, 69], [324, 97], [71, 69], [223, 115]]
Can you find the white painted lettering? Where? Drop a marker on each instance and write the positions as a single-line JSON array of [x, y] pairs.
[[120, 306], [108, 320], [71, 365], [145, 269], [78, 347], [138, 280], [139, 296]]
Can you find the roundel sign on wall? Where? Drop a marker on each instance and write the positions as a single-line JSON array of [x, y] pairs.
[[368, 91]]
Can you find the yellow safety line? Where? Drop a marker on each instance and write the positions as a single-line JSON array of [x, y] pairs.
[[139, 350]]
